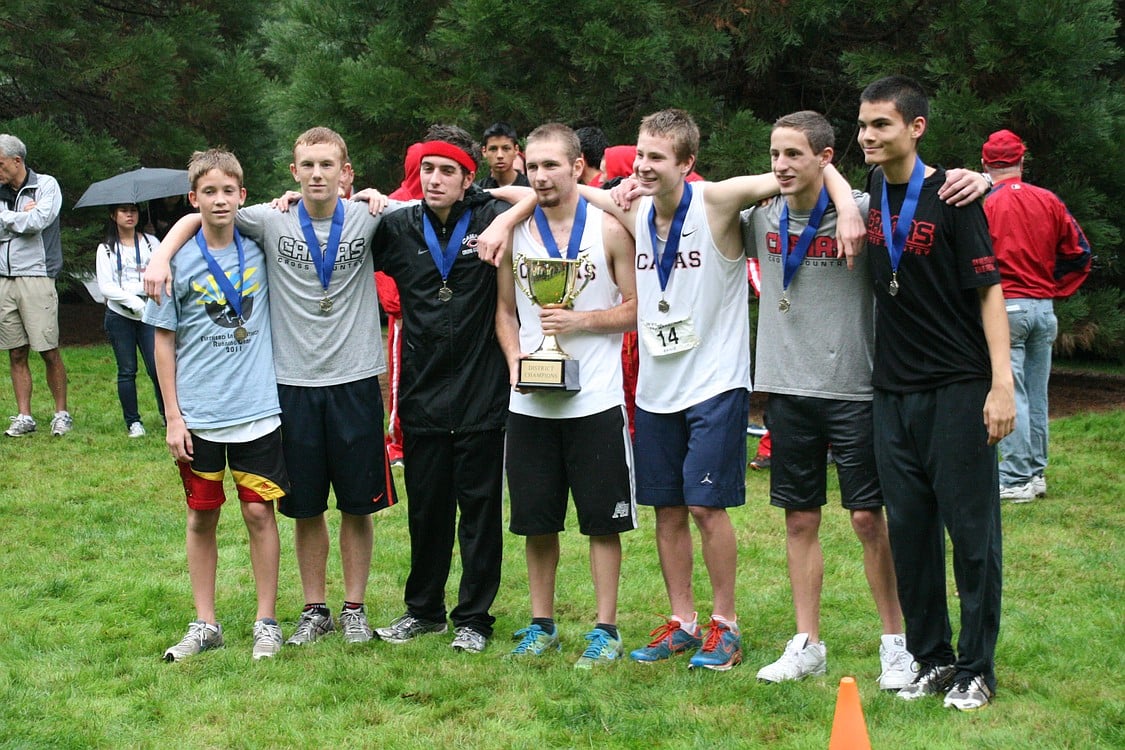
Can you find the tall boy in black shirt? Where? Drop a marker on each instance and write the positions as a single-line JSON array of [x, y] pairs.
[[941, 364]]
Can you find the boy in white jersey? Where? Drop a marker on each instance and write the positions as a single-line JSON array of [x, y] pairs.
[[693, 389], [561, 441]]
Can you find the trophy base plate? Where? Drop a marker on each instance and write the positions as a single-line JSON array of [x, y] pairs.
[[549, 375]]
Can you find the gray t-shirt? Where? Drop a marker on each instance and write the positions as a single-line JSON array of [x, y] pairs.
[[313, 347], [824, 344], [220, 382]]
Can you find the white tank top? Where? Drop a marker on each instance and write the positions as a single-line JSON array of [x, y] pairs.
[[599, 354], [705, 288]]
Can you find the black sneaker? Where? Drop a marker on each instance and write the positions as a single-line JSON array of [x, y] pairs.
[[409, 627], [932, 679], [969, 694]]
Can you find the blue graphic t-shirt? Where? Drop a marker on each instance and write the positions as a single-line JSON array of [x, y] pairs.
[[220, 381]]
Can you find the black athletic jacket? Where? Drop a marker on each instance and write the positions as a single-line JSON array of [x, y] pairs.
[[454, 376]]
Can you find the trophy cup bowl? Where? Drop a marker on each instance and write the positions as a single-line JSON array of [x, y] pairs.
[[550, 281]]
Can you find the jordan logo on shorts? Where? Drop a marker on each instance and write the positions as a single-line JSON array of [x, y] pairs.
[[706, 479], [621, 510]]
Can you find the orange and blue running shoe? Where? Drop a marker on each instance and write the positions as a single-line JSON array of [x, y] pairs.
[[667, 640], [721, 650]]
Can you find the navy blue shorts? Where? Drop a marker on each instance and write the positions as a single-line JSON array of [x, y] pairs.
[[802, 428], [696, 456], [333, 437]]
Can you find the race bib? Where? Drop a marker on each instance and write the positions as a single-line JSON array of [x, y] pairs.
[[661, 339]]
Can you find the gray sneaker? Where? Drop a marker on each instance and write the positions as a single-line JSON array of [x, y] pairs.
[[969, 694], [310, 627], [469, 640], [136, 430], [22, 424], [353, 622], [200, 637], [61, 423], [267, 638], [407, 628], [932, 679]]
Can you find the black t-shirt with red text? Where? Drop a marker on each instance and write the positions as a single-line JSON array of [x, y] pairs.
[[930, 333]]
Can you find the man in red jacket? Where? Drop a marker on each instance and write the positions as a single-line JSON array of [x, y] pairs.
[[1042, 254]]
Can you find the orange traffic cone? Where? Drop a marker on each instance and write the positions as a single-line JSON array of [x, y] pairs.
[[849, 730]]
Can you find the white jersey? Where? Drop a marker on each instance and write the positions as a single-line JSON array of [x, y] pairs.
[[598, 354], [700, 347]]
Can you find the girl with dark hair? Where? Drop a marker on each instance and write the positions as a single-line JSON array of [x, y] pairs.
[[121, 261]]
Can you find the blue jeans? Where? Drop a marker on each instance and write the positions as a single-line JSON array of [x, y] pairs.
[[126, 336], [1033, 329]]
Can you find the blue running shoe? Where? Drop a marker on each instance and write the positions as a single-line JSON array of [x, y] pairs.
[[602, 649], [721, 650], [536, 641], [667, 640]]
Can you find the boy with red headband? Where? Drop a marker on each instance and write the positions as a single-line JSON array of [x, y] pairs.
[[453, 402]]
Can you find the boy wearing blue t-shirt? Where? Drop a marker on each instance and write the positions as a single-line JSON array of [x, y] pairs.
[[214, 359]]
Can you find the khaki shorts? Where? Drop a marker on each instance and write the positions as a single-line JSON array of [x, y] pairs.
[[29, 313]]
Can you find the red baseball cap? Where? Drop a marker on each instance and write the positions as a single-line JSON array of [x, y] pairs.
[[1002, 149]]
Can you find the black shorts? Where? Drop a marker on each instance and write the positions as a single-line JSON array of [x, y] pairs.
[[257, 467], [589, 456], [333, 437], [802, 428]]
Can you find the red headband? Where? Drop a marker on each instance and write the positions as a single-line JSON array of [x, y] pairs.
[[449, 151]]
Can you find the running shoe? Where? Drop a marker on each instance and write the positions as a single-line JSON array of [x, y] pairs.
[[667, 640], [601, 649], [721, 650], [932, 679], [535, 641], [267, 638], [353, 623], [801, 658], [200, 637], [407, 628], [310, 627], [22, 424]]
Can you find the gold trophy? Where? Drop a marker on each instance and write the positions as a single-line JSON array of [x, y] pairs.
[[551, 281]]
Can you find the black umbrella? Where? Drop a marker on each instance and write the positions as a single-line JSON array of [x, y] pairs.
[[137, 186]]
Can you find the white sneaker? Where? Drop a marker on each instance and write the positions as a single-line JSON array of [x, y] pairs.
[[799, 660], [1018, 493], [267, 636], [136, 429], [61, 423], [898, 665], [22, 424], [1039, 485]]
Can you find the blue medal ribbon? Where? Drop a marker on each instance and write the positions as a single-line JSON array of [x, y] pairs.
[[576, 231], [792, 259], [136, 248], [672, 246], [445, 260], [322, 262], [233, 295], [896, 240]]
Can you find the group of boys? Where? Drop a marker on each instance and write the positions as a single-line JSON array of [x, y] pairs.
[[903, 392]]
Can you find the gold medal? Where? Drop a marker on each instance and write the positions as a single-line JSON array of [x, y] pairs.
[[326, 305], [240, 334], [783, 305]]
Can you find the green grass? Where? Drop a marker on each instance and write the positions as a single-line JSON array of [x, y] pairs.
[[94, 587]]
